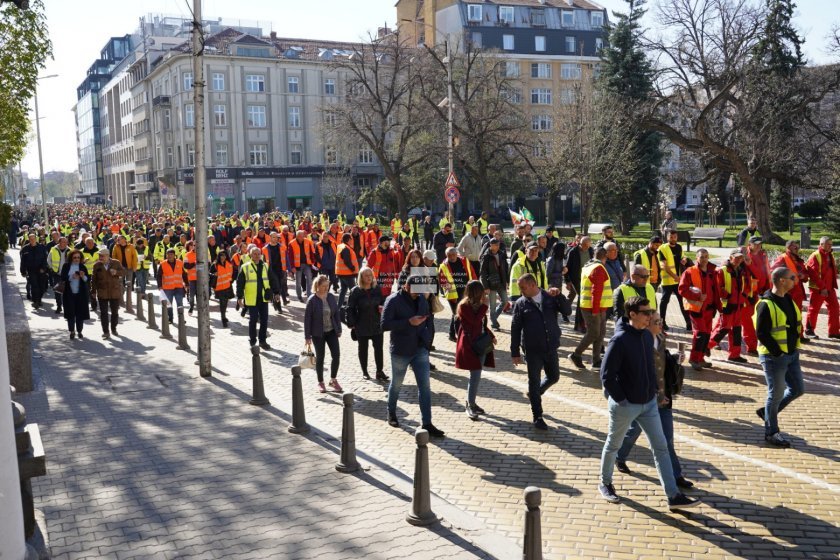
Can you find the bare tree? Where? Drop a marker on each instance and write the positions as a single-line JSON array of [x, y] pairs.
[[337, 186]]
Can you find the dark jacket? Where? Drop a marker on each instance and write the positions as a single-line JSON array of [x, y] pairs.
[[439, 243], [764, 323], [33, 259], [363, 310], [75, 305], [555, 263], [535, 330], [313, 316], [406, 339], [494, 276], [628, 372], [575, 266]]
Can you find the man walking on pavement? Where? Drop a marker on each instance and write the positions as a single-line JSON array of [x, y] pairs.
[[699, 289], [33, 267], [57, 257], [628, 376], [255, 287], [274, 255], [793, 262], [470, 247], [733, 285], [649, 258], [778, 323], [750, 231], [755, 259], [535, 331], [107, 287], [596, 298], [822, 272], [637, 285], [493, 274], [672, 264], [454, 274], [577, 257]]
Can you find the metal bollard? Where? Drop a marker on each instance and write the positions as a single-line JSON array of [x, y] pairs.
[[140, 315], [258, 392], [348, 463], [150, 300], [532, 543], [421, 503], [129, 308], [298, 425], [164, 319], [182, 331]]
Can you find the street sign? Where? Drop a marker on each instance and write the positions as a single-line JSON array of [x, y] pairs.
[[452, 180], [452, 195]]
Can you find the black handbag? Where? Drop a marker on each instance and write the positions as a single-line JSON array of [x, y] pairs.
[[483, 343]]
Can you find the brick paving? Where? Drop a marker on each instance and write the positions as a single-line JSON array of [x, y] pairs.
[[192, 468]]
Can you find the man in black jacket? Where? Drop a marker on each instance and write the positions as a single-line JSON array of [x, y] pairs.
[[575, 259], [493, 276], [535, 331], [33, 267], [443, 240], [628, 376]]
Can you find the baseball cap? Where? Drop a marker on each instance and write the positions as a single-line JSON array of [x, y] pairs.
[[736, 253], [430, 255], [756, 239]]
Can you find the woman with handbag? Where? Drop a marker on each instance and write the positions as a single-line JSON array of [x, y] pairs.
[[222, 271], [322, 326], [74, 285], [474, 348], [364, 311]]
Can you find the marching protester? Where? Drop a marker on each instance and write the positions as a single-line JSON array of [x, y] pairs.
[[577, 257], [364, 316], [791, 260], [455, 272], [346, 267], [596, 298], [822, 273], [637, 285], [321, 326], [256, 286], [171, 278], [733, 286], [699, 289], [33, 267], [475, 342], [222, 271], [144, 264], [493, 274], [75, 293], [106, 288], [755, 259], [57, 257], [672, 264]]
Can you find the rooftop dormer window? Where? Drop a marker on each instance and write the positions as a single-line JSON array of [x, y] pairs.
[[596, 19], [568, 18], [506, 14], [474, 12], [538, 17]]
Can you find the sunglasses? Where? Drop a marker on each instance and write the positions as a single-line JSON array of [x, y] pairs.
[[647, 312]]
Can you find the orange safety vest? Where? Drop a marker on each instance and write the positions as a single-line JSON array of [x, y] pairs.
[[694, 306], [192, 273], [307, 248], [340, 266], [173, 279], [791, 264], [224, 276], [267, 258]]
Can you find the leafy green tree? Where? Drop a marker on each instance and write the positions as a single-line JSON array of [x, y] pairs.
[[24, 48]]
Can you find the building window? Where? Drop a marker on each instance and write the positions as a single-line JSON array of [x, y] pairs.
[[596, 19], [513, 95], [571, 44], [294, 84], [365, 155], [330, 156], [475, 39], [296, 155], [330, 118], [254, 82], [218, 81], [189, 115], [167, 119], [599, 43], [188, 81], [570, 71], [473, 12], [256, 116], [221, 155], [541, 123], [510, 69], [506, 14], [538, 17], [220, 115], [539, 43], [329, 87], [507, 42], [190, 155], [170, 158], [258, 154], [294, 117], [541, 96], [567, 18], [540, 70], [567, 96]]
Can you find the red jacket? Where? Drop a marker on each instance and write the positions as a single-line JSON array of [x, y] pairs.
[[710, 286], [759, 270], [822, 277], [740, 285], [599, 277], [471, 325], [798, 291]]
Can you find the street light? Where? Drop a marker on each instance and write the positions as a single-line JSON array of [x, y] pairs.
[[41, 156]]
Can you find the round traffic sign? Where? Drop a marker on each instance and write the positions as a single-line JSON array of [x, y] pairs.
[[452, 195]]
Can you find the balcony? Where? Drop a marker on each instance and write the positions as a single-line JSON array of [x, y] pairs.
[[161, 100]]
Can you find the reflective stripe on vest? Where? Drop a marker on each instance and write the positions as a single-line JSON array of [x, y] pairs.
[[628, 291], [778, 329], [818, 257], [446, 270], [192, 273], [224, 276], [695, 306], [251, 284], [340, 266], [727, 285], [791, 264], [586, 287], [174, 278]]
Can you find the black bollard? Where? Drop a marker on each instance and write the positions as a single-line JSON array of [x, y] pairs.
[[150, 300], [182, 331], [164, 319], [421, 503], [140, 315], [258, 392], [298, 425], [129, 307], [532, 543], [348, 463]]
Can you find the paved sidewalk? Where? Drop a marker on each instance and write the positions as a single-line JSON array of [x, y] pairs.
[[758, 502]]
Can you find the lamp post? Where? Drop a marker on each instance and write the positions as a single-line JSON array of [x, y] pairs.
[[450, 148], [41, 156]]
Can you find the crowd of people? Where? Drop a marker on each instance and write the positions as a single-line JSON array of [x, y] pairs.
[[354, 277]]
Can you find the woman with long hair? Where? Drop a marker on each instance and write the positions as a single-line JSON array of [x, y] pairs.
[[471, 317], [74, 299], [364, 311], [414, 259], [322, 327]]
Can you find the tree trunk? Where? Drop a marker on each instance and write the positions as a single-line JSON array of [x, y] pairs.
[[758, 206], [551, 211]]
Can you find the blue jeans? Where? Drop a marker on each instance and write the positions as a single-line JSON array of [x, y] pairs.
[[536, 363], [142, 277], [301, 274], [647, 415], [419, 362], [347, 284], [178, 296], [496, 310], [784, 384], [472, 385], [666, 415]]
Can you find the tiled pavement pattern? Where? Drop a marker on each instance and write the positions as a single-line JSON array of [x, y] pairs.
[[758, 502]]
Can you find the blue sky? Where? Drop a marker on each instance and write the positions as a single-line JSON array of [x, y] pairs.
[[79, 29]]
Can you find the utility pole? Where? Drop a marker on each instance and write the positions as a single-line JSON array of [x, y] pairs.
[[41, 166], [450, 147], [199, 178]]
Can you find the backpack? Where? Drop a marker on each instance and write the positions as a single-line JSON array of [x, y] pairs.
[[674, 374]]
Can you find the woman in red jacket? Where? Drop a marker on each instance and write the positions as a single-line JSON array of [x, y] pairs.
[[471, 315]]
